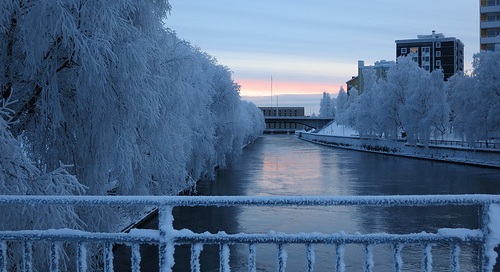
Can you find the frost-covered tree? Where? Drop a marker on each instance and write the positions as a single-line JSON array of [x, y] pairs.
[[399, 86], [475, 100], [19, 176], [105, 87], [327, 106], [424, 109], [487, 73], [463, 102], [83, 75], [341, 105], [410, 99], [421, 104], [385, 111], [365, 114], [349, 115], [437, 116], [324, 105]]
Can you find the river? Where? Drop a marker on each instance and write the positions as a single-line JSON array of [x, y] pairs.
[[284, 165]]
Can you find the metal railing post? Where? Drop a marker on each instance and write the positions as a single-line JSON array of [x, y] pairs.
[[81, 257], [398, 261], [108, 257], [252, 261], [54, 257], [136, 257], [368, 258], [427, 257], [281, 258], [166, 245], [224, 258], [27, 256], [485, 220], [195, 257], [310, 257], [3, 256], [454, 257], [339, 257]]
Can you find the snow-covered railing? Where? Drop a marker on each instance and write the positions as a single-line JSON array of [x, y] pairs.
[[493, 144], [487, 237]]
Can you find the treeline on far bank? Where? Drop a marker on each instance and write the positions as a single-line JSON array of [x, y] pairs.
[[422, 105]]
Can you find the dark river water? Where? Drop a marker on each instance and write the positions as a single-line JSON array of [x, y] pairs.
[[278, 165]]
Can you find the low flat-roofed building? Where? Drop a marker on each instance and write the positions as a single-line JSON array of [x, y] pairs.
[[282, 112]]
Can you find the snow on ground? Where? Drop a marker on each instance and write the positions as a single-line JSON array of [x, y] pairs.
[[345, 137], [337, 130], [341, 130]]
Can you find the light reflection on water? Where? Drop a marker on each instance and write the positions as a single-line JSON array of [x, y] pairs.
[[284, 165]]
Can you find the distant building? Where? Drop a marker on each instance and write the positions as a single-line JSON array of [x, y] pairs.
[[352, 83], [489, 23], [283, 112], [434, 51], [357, 82]]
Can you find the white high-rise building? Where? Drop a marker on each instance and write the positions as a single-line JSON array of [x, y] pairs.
[[489, 24]]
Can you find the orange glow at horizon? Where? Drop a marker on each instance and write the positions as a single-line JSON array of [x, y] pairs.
[[255, 87]]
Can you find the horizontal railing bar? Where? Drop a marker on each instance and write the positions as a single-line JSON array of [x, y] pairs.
[[168, 236], [400, 200], [79, 236], [327, 239], [186, 236]]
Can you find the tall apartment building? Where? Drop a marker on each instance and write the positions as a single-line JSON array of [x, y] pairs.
[[489, 23], [434, 51]]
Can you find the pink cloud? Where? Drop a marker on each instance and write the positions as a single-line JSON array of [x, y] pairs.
[[256, 87]]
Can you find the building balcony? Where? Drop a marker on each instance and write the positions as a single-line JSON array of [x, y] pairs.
[[488, 9], [490, 24], [486, 40]]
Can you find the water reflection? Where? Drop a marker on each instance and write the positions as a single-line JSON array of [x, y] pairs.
[[283, 165]]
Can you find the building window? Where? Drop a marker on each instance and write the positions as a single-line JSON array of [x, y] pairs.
[[426, 59], [414, 50], [493, 2], [493, 33], [438, 44], [493, 17], [438, 63], [438, 54], [426, 67], [426, 50], [403, 51]]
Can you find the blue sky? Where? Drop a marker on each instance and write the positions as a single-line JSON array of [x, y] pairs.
[[311, 47]]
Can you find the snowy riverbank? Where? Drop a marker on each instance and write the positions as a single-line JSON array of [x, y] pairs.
[[457, 154]]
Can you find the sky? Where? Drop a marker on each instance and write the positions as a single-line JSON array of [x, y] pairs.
[[297, 50]]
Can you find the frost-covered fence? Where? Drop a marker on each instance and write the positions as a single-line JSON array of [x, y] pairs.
[[493, 144], [486, 237]]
